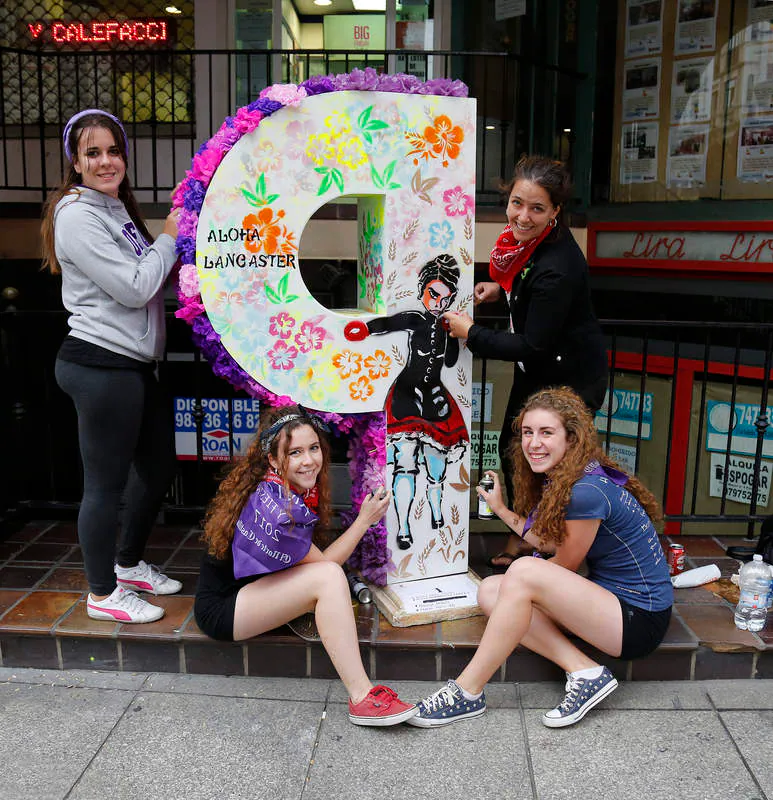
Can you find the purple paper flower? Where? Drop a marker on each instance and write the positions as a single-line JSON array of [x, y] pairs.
[[264, 105], [186, 248], [318, 84], [399, 82], [444, 87], [193, 196], [188, 224], [357, 79]]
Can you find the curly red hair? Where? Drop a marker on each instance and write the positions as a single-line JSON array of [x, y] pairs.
[[551, 497], [248, 471]]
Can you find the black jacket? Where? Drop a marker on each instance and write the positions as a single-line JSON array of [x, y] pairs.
[[557, 339]]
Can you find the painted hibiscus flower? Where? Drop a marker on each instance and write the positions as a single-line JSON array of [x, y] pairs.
[[282, 356], [282, 325]]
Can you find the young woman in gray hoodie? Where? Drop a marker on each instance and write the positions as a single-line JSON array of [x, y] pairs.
[[112, 285]]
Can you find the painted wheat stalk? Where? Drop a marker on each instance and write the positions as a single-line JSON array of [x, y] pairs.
[[422, 557], [397, 355]]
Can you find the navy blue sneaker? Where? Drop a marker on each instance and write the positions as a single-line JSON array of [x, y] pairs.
[[447, 704], [581, 695]]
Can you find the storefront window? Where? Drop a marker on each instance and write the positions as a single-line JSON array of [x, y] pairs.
[[253, 31], [414, 30], [693, 101], [76, 55]]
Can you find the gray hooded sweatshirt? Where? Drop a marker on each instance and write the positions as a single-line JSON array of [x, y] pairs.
[[112, 279]]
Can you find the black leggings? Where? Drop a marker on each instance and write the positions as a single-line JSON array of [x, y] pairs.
[[126, 439]]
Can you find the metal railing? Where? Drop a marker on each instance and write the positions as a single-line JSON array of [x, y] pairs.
[[688, 413], [173, 101]]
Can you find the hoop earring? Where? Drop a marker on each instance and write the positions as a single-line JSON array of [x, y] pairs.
[[552, 222]]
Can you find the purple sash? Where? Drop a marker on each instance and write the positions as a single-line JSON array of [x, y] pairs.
[[617, 477], [271, 534]]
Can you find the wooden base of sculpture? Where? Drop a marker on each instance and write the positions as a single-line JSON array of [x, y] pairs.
[[428, 600]]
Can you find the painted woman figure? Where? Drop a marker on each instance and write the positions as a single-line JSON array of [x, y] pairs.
[[424, 424]]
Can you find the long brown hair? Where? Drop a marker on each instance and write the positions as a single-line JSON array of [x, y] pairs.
[[248, 471], [551, 496], [72, 179]]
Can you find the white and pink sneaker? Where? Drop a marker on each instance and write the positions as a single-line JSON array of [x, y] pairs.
[[123, 605], [146, 578]]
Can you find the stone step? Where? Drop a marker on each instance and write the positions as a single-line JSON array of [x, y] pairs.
[[43, 624]]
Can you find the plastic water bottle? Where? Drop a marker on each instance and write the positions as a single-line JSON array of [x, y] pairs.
[[754, 580], [770, 588]]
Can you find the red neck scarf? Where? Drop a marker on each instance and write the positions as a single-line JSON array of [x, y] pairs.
[[509, 256], [310, 497]]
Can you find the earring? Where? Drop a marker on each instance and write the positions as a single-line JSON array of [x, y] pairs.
[[553, 222]]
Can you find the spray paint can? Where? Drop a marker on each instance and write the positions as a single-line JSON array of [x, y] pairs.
[[484, 511], [358, 589]]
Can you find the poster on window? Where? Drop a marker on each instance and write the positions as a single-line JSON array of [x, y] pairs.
[[739, 421], [757, 78], [641, 92], [639, 162], [737, 485], [227, 427], [643, 27], [755, 149], [687, 148], [691, 85], [696, 26], [759, 21]]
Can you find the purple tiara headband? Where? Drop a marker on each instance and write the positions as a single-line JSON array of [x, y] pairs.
[[85, 113]]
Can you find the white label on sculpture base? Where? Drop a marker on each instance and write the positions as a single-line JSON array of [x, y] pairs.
[[429, 600]]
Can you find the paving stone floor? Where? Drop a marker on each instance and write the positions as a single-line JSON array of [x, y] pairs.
[[43, 623]]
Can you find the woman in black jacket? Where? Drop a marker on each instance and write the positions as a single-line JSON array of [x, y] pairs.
[[556, 339]]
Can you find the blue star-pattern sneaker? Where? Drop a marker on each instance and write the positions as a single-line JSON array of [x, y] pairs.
[[581, 695], [447, 704]]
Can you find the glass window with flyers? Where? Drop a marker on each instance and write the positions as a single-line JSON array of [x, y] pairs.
[[726, 427], [693, 101]]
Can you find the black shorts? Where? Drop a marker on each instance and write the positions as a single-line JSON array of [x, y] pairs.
[[214, 614], [643, 630]]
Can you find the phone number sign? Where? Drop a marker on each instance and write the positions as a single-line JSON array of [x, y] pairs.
[[227, 427]]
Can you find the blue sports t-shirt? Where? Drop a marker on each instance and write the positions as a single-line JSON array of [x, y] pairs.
[[626, 557]]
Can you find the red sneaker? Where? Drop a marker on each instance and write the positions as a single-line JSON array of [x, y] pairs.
[[380, 706]]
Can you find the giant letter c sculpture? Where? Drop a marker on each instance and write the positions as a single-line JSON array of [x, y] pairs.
[[409, 159]]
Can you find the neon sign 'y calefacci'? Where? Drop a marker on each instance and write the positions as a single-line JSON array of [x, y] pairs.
[[145, 31]]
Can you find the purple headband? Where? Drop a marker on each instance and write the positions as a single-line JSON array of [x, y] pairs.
[[85, 113]]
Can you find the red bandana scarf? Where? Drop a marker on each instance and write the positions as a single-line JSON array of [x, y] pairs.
[[510, 256], [310, 497]]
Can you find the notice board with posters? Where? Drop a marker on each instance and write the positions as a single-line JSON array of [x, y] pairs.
[[693, 100], [723, 438]]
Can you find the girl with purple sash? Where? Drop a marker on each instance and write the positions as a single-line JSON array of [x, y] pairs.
[[569, 499], [262, 568]]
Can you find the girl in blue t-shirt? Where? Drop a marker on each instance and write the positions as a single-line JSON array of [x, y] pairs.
[[569, 499]]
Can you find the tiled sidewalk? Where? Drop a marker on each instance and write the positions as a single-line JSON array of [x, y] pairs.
[[43, 623]]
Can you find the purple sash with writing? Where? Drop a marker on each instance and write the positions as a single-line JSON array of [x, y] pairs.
[[272, 532], [617, 477]]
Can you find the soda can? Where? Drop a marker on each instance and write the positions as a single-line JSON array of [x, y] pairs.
[[675, 558]]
